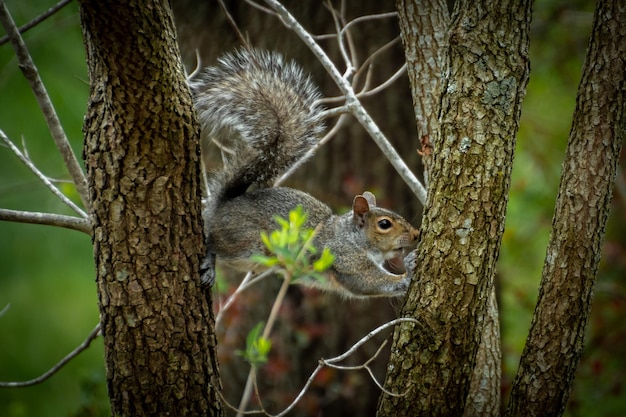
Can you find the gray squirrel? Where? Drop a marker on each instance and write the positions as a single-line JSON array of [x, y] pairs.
[[265, 111]]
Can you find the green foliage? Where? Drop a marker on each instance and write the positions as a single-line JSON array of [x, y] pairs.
[[292, 250], [47, 273], [257, 347]]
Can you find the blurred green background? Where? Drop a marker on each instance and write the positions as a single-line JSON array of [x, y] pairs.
[[47, 273], [47, 276]]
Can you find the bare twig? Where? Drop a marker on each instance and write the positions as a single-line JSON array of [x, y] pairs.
[[348, 58], [368, 18], [248, 281], [94, 333], [261, 8], [324, 362], [5, 309], [38, 19], [332, 362], [370, 335], [352, 102], [54, 125], [198, 67], [233, 24], [41, 176], [234, 408], [369, 62], [49, 219], [368, 369], [384, 85], [258, 395]]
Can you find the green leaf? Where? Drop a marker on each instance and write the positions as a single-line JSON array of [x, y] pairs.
[[265, 260], [290, 248], [284, 224], [257, 347], [266, 240], [324, 262]]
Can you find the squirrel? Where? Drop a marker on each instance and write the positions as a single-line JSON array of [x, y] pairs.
[[265, 111]]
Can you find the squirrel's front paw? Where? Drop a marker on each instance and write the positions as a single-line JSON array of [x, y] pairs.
[[403, 285], [410, 262], [207, 270]]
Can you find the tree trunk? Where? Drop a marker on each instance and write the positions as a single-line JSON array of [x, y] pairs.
[[433, 361], [142, 159], [483, 398], [555, 341], [425, 25], [425, 33]]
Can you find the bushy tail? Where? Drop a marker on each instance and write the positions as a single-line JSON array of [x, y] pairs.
[[262, 110]]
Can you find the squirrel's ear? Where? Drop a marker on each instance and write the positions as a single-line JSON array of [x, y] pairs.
[[360, 207], [370, 198]]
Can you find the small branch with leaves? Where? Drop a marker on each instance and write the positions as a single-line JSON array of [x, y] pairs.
[[292, 255]]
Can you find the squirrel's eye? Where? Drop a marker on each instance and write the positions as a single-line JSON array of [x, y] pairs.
[[385, 224]]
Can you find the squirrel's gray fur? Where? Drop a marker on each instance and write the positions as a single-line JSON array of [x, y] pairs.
[[254, 100], [264, 112]]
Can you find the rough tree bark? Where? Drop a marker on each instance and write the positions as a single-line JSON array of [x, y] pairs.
[[425, 26], [142, 159], [555, 341], [464, 216]]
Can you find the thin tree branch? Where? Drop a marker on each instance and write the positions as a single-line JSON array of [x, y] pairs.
[[245, 397], [368, 18], [22, 157], [233, 24], [38, 19], [368, 63], [249, 280], [335, 111], [94, 333], [5, 309], [368, 369], [331, 362], [384, 85], [261, 8], [352, 102], [340, 358], [348, 59], [54, 125], [49, 219]]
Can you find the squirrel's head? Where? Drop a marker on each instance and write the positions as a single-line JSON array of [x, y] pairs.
[[384, 230]]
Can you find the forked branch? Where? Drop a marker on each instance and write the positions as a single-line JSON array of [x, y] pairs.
[[353, 105], [54, 125]]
